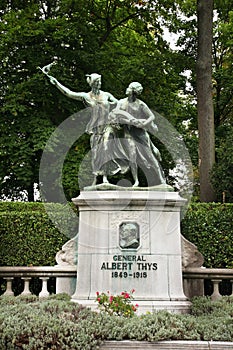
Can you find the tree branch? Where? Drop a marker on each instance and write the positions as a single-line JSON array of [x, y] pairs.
[[110, 27]]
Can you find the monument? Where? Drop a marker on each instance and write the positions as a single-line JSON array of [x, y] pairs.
[[129, 236], [131, 240]]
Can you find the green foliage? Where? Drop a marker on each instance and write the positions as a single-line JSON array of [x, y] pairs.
[[223, 169], [119, 305], [203, 306], [209, 227], [57, 323], [122, 40], [222, 58], [163, 326], [186, 28], [216, 311], [77, 170], [46, 325], [21, 206], [27, 235]]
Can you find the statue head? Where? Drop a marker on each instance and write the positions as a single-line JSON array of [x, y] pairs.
[[128, 231], [134, 88], [129, 235], [94, 78]]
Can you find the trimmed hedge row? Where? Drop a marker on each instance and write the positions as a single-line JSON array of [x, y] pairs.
[[210, 227], [21, 206], [28, 237]]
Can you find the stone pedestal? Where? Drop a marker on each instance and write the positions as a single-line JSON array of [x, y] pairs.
[[131, 240]]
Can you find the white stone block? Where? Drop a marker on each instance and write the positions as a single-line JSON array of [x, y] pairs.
[[131, 240]]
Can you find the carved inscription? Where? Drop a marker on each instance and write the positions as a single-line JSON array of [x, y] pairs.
[[129, 266]]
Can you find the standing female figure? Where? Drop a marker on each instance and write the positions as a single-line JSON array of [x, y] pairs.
[[101, 102], [137, 118]]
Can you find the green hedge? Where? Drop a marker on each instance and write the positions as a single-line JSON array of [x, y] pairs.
[[21, 206], [28, 236], [210, 227]]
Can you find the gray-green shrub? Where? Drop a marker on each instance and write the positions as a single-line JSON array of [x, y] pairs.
[[57, 323]]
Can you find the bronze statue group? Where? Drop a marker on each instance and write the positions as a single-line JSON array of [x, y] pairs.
[[119, 131]]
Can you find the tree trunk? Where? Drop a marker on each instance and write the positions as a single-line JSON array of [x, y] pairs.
[[30, 191], [205, 108]]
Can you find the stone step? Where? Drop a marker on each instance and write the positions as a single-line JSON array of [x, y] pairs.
[[166, 345]]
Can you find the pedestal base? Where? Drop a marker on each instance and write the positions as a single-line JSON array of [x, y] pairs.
[[179, 307], [131, 240]]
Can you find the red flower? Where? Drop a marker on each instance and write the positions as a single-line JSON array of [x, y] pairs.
[[98, 299], [97, 293], [132, 291], [126, 296]]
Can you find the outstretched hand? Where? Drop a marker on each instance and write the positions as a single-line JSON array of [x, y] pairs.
[[52, 80]]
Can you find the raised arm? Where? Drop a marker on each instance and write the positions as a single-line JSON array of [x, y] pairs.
[[62, 88], [66, 91]]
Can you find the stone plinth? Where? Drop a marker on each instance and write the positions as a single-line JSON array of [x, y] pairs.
[[131, 240]]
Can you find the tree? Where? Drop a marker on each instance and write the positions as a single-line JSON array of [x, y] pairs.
[[205, 109], [222, 66], [121, 40]]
